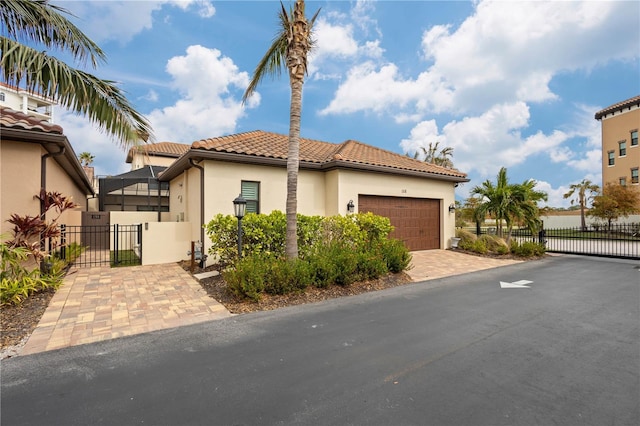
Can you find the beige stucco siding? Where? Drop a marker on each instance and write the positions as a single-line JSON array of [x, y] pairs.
[[20, 183]]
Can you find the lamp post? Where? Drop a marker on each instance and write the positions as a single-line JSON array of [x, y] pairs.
[[239, 208]]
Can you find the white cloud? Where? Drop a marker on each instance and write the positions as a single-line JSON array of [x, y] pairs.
[[504, 53], [122, 20], [207, 82], [151, 96]]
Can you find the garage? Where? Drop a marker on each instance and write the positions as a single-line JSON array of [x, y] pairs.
[[416, 220]]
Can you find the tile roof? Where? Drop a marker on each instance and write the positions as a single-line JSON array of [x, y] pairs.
[[618, 107], [13, 119], [161, 149], [273, 145]]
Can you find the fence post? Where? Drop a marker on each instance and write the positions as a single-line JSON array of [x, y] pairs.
[[115, 244], [140, 240], [63, 242]]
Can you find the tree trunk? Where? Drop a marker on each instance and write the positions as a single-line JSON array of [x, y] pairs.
[[293, 161]]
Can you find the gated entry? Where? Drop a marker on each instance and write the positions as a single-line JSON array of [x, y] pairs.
[[101, 245]]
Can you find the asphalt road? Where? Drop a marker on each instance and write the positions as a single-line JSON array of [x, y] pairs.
[[455, 351]]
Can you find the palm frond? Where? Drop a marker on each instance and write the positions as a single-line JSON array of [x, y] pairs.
[[42, 22], [101, 100]]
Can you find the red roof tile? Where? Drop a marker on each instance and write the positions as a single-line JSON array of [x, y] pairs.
[[161, 149], [618, 107], [273, 145], [13, 119]]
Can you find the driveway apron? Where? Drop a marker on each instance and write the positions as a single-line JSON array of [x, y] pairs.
[[102, 303]]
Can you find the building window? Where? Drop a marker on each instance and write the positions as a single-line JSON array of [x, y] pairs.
[[2, 100], [634, 138], [251, 192], [612, 158], [623, 181], [622, 145], [634, 175]]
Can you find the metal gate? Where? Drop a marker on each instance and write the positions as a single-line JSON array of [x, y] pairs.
[[101, 245]]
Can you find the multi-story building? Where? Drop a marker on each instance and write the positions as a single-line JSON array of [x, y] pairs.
[[26, 102], [620, 150]]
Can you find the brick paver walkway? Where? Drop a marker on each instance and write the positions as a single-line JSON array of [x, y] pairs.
[[432, 264], [96, 304]]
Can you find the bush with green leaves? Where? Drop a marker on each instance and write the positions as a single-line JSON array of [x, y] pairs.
[[527, 249], [396, 255], [336, 250], [17, 282]]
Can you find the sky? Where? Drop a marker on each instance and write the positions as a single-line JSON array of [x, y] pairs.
[[510, 84]]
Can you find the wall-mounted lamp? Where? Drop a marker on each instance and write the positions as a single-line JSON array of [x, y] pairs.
[[452, 208], [350, 207]]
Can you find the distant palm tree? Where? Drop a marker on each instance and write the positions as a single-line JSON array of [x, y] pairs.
[[38, 22], [585, 190], [86, 158], [289, 48], [494, 198], [441, 157]]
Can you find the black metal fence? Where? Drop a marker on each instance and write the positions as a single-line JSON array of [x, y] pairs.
[[617, 240], [100, 245]]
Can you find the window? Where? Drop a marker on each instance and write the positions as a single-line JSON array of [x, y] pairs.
[[634, 175], [2, 100], [622, 145], [634, 138], [623, 181], [251, 192], [612, 158]]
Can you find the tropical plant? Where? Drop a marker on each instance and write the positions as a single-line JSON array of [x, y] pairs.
[[86, 158], [509, 203], [38, 22], [614, 202], [439, 157], [584, 191], [290, 48], [31, 232]]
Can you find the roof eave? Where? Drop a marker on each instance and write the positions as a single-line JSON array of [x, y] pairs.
[[183, 163], [69, 161]]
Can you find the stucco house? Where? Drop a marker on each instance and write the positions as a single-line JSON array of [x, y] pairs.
[[416, 196], [35, 154]]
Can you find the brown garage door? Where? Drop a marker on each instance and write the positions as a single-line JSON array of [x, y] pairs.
[[416, 220]]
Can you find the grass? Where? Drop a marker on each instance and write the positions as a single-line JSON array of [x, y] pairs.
[[125, 258]]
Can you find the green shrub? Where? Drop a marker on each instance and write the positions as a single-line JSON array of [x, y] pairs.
[[375, 228], [246, 279], [371, 265], [479, 246], [17, 282], [527, 249], [323, 270], [396, 255], [285, 276], [466, 239], [346, 263]]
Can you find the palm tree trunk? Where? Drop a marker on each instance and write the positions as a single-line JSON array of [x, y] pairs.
[[291, 244]]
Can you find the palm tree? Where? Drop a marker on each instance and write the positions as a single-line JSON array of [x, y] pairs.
[[86, 158], [585, 190], [440, 158], [38, 22], [494, 198], [289, 48]]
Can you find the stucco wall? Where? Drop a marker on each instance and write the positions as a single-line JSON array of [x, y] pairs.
[[20, 182], [616, 128], [155, 236]]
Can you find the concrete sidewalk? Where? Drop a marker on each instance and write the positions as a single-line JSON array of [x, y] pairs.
[[104, 303]]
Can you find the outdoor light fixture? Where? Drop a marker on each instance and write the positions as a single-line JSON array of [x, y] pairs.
[[239, 209], [350, 207], [452, 208]]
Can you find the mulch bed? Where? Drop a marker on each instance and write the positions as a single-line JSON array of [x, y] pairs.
[[19, 321]]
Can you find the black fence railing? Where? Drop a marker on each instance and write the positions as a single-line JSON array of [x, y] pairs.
[[100, 245], [617, 240]]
